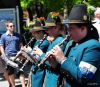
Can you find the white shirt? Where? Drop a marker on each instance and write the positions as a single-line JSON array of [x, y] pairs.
[[97, 26]]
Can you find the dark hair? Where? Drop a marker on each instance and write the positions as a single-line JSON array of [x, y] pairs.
[[92, 31], [8, 23]]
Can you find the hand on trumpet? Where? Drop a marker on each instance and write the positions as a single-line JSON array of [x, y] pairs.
[[58, 55], [37, 51], [27, 49], [52, 61]]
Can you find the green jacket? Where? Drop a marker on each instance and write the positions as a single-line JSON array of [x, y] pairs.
[[82, 66], [52, 76], [38, 78]]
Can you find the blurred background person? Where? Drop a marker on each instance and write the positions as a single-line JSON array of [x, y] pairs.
[[10, 44], [97, 20]]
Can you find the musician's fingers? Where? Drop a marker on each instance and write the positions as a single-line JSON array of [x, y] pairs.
[[38, 52], [22, 48], [50, 58], [52, 61], [34, 52], [53, 51], [56, 48], [36, 48]]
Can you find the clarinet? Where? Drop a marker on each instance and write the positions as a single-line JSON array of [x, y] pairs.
[[29, 77], [35, 60], [67, 38], [29, 42], [20, 52]]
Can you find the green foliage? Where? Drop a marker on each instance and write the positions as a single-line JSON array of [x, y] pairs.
[[95, 3], [70, 3], [26, 4], [58, 5]]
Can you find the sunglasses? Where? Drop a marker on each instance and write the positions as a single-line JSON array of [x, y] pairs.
[[11, 26]]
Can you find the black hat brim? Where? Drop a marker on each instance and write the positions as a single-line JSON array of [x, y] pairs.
[[36, 29]]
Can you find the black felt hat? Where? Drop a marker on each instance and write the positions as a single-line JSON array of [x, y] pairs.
[[78, 14], [38, 25], [53, 19]]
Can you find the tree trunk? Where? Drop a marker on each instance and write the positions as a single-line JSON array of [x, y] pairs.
[[65, 11]]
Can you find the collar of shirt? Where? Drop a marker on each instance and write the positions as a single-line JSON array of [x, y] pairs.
[[7, 33]]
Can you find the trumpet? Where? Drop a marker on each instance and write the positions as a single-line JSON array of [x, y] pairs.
[[25, 55], [20, 52], [30, 56], [30, 74], [48, 54], [30, 41]]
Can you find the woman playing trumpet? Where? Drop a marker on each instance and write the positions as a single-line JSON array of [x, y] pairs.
[[80, 62], [54, 30], [41, 42]]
